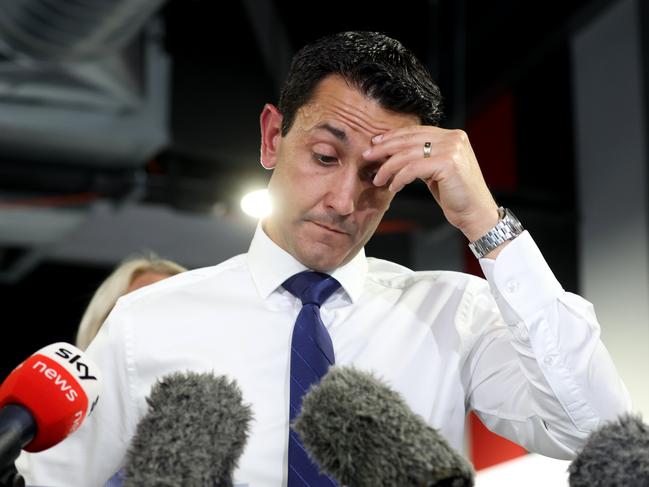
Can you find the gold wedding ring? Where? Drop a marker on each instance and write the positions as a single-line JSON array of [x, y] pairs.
[[427, 148]]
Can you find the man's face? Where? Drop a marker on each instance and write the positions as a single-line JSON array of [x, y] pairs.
[[325, 207]]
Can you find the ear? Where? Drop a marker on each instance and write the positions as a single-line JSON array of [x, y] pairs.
[[271, 134]]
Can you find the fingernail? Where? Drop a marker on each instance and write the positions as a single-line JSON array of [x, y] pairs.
[[377, 138], [367, 152]]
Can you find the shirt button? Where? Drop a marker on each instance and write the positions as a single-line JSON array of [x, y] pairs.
[[495, 293], [512, 287], [522, 332], [549, 360]]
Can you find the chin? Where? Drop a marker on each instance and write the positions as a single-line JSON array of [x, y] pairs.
[[321, 254], [320, 263]]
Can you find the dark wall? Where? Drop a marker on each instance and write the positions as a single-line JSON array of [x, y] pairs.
[[44, 308]]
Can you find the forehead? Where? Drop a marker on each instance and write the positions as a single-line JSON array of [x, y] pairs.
[[336, 100], [146, 277]]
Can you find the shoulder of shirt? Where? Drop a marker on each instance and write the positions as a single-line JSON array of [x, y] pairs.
[[391, 275], [183, 280]]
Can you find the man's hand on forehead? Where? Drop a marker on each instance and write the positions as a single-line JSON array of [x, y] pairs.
[[445, 161]]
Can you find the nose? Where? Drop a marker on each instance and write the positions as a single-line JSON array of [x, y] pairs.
[[344, 191]]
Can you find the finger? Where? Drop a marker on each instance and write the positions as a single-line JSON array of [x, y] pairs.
[[411, 129], [407, 140], [398, 144], [395, 163], [408, 173]]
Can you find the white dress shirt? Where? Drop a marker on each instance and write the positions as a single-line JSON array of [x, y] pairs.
[[519, 350]]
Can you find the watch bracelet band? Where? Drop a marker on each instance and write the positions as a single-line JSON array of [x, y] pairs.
[[507, 228]]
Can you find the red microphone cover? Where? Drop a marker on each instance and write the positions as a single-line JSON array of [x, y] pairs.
[[59, 385]]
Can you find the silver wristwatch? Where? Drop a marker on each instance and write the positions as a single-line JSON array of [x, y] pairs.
[[507, 228]]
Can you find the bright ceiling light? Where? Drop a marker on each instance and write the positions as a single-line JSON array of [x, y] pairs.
[[256, 203]]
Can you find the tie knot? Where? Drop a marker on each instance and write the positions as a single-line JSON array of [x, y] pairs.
[[311, 287]]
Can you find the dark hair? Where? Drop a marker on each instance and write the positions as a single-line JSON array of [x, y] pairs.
[[379, 66]]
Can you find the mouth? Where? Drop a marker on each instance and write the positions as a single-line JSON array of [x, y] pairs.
[[330, 229]]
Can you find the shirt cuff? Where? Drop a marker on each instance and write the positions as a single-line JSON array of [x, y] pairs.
[[520, 279]]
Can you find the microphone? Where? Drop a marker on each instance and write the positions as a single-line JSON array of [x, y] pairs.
[[616, 454], [45, 399], [193, 433], [363, 434]]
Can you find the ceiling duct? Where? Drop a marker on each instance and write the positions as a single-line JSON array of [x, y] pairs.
[[84, 97], [82, 82], [72, 30]]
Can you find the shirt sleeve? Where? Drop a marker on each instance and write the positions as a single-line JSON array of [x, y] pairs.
[[539, 373], [95, 452]]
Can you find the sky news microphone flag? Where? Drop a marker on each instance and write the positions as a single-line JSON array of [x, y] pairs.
[[45, 399]]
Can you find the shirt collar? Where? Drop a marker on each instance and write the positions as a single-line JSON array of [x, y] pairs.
[[270, 266]]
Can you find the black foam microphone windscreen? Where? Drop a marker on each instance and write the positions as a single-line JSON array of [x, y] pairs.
[[193, 433], [617, 454], [362, 433]]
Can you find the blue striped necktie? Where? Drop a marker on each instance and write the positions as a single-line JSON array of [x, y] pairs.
[[311, 355]]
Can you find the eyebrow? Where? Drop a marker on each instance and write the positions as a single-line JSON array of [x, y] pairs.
[[339, 134]]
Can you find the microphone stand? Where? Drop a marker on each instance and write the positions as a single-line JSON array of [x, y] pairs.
[[17, 429], [9, 477]]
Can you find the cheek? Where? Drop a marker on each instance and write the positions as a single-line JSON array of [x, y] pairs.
[[370, 211], [304, 191], [375, 201], [295, 189]]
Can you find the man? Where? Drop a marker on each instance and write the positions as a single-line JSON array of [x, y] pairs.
[[355, 123]]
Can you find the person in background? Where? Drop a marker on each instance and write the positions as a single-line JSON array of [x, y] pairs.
[[133, 273]]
